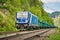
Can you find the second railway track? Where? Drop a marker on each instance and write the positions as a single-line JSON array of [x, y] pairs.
[[23, 35]]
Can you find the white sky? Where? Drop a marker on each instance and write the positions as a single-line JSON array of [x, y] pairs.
[[50, 1]]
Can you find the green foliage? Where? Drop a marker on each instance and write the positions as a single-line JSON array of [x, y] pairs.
[[55, 36], [3, 1], [57, 22], [12, 6], [1, 18]]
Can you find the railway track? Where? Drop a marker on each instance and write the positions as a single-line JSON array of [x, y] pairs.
[[23, 35], [42, 36]]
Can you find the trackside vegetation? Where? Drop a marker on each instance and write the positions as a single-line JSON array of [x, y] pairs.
[[55, 36], [8, 9]]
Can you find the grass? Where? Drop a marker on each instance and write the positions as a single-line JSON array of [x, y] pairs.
[[55, 36]]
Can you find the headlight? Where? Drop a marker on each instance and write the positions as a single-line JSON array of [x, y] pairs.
[[26, 21]]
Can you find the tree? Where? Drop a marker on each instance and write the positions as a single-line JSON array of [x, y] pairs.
[[57, 22]]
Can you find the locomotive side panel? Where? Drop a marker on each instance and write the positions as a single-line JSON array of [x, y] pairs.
[[34, 21]]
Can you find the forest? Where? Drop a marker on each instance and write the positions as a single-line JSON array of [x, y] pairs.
[[8, 9]]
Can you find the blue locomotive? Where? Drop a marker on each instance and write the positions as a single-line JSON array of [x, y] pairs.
[[26, 20]]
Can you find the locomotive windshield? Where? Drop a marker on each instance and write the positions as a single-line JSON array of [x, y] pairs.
[[22, 15]]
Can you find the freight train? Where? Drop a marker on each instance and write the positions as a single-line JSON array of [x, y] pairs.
[[27, 20]]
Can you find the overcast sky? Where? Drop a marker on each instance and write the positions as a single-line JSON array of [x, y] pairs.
[[51, 5]]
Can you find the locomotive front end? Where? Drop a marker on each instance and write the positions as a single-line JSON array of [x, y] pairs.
[[22, 19]]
